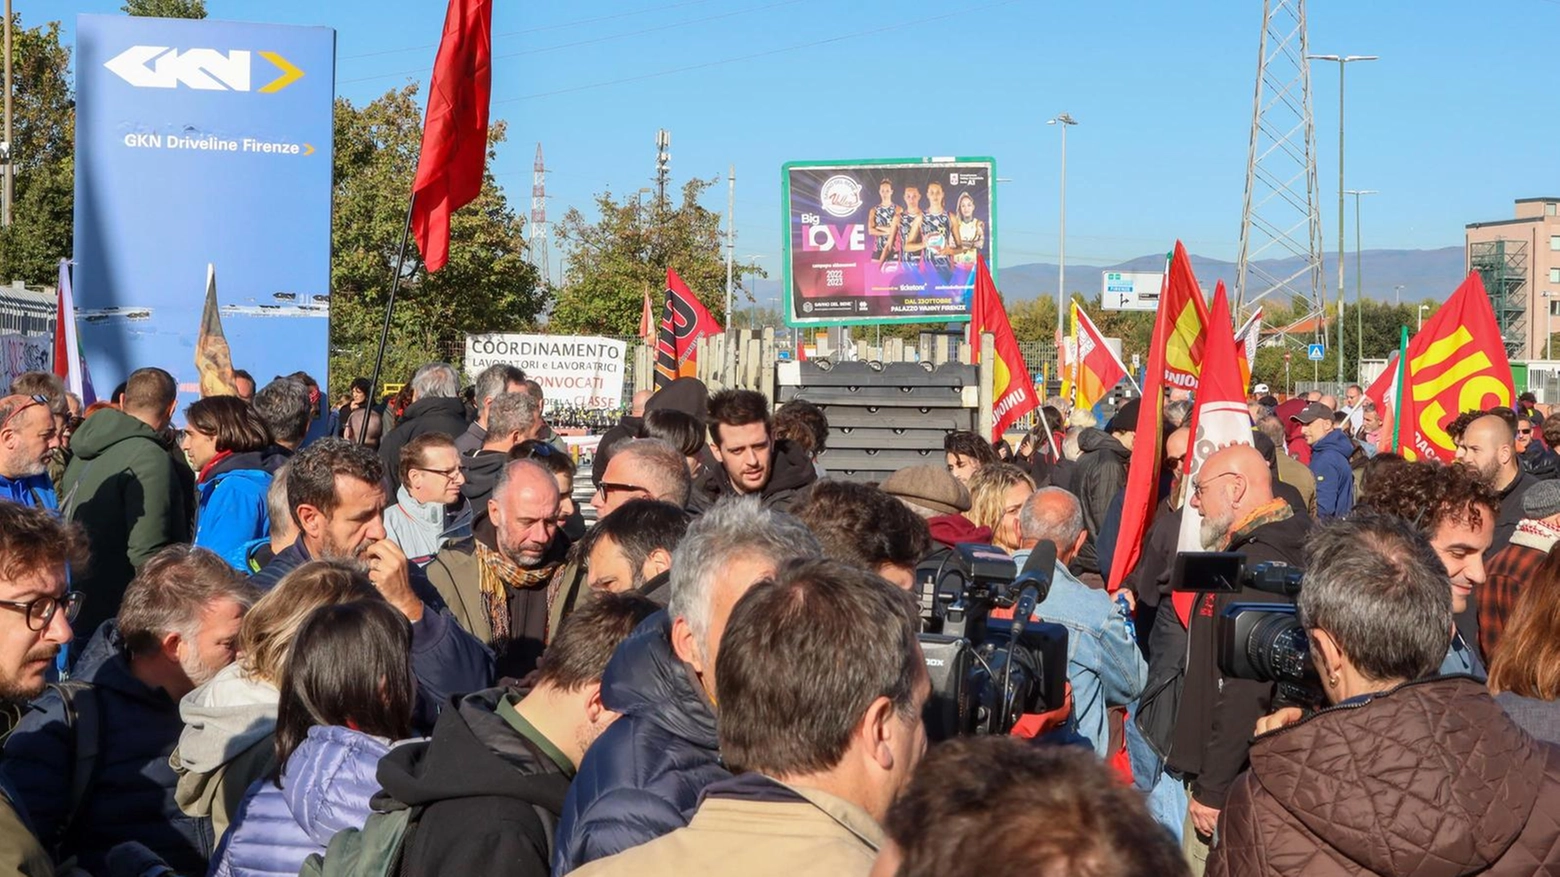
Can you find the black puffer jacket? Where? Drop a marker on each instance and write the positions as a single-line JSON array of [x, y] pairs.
[[1539, 462], [437, 414], [642, 778], [491, 797], [791, 473], [1101, 474]]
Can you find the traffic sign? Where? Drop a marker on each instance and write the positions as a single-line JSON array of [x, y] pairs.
[[1315, 352]]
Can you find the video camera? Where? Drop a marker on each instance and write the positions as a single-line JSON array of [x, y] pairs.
[[989, 661], [1263, 642]]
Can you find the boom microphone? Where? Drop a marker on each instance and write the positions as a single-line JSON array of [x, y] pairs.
[[1034, 582]]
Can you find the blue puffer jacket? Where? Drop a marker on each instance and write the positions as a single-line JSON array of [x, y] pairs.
[[326, 787], [232, 511], [643, 776], [1334, 478]]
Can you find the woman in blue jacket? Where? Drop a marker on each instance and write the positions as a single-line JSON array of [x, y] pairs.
[[347, 693], [223, 439]]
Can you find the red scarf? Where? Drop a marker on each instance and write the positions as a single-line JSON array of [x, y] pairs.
[[206, 469]]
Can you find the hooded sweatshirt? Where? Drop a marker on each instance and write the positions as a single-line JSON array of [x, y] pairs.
[[422, 528], [227, 744]]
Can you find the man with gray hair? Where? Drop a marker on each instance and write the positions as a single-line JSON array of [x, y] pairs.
[[643, 777], [436, 407], [643, 469], [512, 418], [1103, 662], [284, 406], [494, 381]]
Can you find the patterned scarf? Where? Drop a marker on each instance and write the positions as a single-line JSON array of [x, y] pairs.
[[498, 575], [1270, 512]]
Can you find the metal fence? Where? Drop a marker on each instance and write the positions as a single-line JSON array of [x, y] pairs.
[[26, 311]]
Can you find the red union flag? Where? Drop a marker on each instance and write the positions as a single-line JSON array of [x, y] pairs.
[[684, 320], [1098, 368], [1013, 391], [1456, 363]]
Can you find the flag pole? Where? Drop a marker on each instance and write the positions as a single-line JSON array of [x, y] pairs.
[[1397, 404], [384, 334]]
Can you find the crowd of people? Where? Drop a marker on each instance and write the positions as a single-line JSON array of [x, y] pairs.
[[287, 638]]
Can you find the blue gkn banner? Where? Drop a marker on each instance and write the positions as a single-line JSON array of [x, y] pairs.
[[202, 142]]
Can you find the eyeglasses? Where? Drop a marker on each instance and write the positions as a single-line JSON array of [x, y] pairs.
[[606, 488], [446, 474], [40, 610], [1524, 432], [36, 399], [1198, 488]]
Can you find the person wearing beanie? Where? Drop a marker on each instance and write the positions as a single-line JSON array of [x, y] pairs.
[[1516, 564], [1101, 474], [933, 493]]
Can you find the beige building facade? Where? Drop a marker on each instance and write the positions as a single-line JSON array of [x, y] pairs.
[[1519, 260]]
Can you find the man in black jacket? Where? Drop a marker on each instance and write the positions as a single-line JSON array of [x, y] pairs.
[[492, 778], [751, 461], [436, 407], [1234, 493], [1101, 473]]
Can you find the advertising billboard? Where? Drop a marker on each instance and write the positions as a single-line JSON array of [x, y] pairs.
[[887, 241], [1130, 290], [574, 371], [202, 142]]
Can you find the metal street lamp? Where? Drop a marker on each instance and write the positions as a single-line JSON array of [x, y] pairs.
[[1359, 294], [1342, 60], [1065, 120], [1422, 309], [1397, 294]]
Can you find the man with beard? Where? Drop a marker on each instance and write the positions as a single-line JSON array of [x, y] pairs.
[[496, 583], [1234, 493], [177, 626], [1488, 447], [751, 461], [336, 493], [28, 438], [36, 550]]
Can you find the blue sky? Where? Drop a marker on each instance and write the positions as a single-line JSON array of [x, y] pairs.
[[1453, 123]]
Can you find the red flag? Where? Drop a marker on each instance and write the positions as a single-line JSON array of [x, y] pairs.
[[1384, 392], [684, 320], [1220, 419], [454, 145], [1178, 304], [1456, 363], [647, 320], [1099, 371], [1013, 390]]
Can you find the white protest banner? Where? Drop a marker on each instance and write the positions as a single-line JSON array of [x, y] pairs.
[[575, 371]]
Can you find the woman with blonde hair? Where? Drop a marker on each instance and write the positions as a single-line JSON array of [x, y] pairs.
[[230, 722], [997, 493], [1525, 668]]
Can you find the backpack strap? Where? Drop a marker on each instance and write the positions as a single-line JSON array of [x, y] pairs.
[[82, 718]]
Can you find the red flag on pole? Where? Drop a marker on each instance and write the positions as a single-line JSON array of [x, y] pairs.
[[1220, 419], [1013, 390], [454, 145], [647, 322], [1456, 363], [684, 320], [1178, 310]]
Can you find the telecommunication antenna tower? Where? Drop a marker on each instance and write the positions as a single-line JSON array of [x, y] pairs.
[[663, 160], [1281, 217], [539, 217]]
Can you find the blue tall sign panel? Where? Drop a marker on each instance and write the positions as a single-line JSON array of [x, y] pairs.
[[202, 142]]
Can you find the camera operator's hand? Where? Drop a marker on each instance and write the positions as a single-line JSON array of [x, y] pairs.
[[388, 571], [1279, 719], [1204, 819]]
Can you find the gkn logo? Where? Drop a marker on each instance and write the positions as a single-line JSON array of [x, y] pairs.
[[204, 69]]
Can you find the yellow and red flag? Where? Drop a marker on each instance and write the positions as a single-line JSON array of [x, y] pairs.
[[1456, 363], [1098, 368], [1013, 390], [1178, 327], [684, 320]]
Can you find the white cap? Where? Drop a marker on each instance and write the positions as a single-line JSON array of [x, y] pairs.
[[1260, 389]]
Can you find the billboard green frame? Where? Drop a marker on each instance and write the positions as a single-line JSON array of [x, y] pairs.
[[788, 301]]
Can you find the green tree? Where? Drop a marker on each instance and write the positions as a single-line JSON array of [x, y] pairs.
[[42, 153], [165, 8], [625, 252], [488, 284]]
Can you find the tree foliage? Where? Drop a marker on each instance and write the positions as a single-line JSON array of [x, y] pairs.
[[42, 151], [625, 252], [165, 8], [488, 285]]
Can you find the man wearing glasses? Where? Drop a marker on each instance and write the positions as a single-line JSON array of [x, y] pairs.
[[28, 437], [1234, 493], [35, 549]]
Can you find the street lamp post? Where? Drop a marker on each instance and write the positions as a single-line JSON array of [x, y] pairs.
[[1342, 61], [1359, 273], [1397, 295], [1065, 121], [1422, 309]]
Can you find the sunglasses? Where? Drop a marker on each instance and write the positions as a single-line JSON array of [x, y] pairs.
[[35, 399]]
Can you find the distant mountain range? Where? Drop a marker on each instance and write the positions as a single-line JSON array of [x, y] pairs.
[[1423, 274]]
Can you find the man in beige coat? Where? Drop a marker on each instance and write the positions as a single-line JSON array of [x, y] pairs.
[[821, 743]]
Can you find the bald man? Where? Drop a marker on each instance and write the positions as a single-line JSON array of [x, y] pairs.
[[1234, 493], [1489, 448]]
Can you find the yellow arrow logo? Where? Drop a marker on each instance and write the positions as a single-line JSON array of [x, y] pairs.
[[307, 149], [290, 74]]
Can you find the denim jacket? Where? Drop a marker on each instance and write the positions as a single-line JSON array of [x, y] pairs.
[[1103, 661]]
